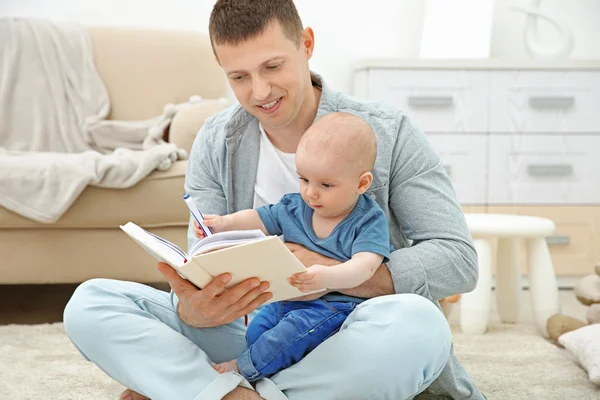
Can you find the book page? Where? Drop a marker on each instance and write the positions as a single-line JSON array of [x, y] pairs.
[[225, 239], [161, 249]]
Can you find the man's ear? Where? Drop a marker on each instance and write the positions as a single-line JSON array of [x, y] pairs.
[[364, 182], [308, 41]]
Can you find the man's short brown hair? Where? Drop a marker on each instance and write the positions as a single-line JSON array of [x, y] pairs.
[[234, 21]]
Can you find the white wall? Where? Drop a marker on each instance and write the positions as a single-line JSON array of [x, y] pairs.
[[179, 14], [580, 15], [345, 30], [349, 30]]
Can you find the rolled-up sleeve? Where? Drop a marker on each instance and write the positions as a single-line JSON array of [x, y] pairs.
[[441, 260]]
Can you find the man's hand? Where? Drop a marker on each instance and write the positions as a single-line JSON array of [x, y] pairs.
[[312, 279], [310, 258], [380, 284], [214, 305]]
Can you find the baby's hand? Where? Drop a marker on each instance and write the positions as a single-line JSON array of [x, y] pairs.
[[198, 231], [312, 279], [216, 223]]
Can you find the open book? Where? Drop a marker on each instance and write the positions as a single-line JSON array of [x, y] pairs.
[[244, 254]]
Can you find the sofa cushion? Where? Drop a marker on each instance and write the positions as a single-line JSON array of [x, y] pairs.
[[156, 201], [187, 122], [130, 61]]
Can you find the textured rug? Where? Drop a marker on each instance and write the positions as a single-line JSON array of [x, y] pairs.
[[509, 362]]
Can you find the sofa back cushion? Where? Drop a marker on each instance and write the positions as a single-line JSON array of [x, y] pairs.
[[144, 69]]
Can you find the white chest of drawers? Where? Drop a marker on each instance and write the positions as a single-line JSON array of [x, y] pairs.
[[520, 137]]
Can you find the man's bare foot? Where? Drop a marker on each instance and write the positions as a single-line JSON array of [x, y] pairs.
[[131, 395], [242, 393], [227, 366]]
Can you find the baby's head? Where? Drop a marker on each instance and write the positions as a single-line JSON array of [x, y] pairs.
[[334, 161]]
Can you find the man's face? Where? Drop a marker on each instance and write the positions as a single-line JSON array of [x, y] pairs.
[[269, 74]]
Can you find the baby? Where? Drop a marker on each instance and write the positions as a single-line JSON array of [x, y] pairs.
[[332, 216]]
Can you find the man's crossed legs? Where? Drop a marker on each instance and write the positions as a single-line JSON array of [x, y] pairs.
[[390, 347]]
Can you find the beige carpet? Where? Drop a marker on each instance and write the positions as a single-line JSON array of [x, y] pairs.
[[509, 362]]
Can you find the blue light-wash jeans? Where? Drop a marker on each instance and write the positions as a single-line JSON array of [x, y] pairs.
[[284, 332], [390, 347]]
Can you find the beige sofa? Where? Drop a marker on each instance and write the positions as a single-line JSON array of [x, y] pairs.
[[143, 70]]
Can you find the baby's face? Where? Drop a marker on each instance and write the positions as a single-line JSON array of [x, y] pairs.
[[328, 184]]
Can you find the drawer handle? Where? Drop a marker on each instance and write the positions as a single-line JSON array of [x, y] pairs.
[[430, 101], [448, 168], [550, 169], [558, 240], [547, 102]]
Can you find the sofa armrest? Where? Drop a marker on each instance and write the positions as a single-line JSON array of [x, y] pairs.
[[187, 122]]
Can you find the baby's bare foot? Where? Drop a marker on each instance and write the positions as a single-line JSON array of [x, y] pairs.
[[242, 393], [228, 366]]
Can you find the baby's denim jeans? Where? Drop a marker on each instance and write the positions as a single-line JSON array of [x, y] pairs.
[[284, 332]]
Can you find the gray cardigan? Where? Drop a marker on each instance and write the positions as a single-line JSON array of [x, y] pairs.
[[435, 257]]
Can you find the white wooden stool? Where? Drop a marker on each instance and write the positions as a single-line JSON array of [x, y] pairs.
[[508, 229]]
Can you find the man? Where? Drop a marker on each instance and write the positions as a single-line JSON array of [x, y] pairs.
[[391, 346]]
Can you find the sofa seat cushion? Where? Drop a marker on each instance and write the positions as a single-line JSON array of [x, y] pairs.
[[156, 201]]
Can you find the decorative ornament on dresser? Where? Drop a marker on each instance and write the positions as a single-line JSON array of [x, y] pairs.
[[564, 45]]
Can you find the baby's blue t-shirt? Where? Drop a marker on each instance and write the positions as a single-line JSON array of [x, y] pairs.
[[365, 229]]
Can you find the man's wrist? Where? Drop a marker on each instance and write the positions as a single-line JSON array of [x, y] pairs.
[[388, 280], [180, 314], [332, 262], [179, 311], [380, 284]]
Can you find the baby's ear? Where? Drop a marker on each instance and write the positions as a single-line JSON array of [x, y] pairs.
[[364, 182]]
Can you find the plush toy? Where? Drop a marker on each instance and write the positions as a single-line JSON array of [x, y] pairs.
[[593, 314], [587, 292], [582, 339], [559, 324], [584, 346]]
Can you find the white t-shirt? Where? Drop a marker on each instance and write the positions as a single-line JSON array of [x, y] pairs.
[[276, 174]]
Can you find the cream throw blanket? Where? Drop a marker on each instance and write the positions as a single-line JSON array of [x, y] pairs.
[[54, 138]]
